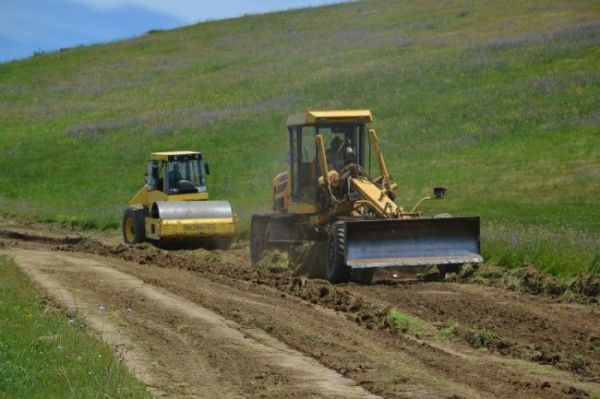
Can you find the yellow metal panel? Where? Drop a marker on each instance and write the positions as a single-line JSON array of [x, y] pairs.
[[280, 178], [163, 156], [147, 197], [387, 178], [187, 197], [359, 114], [195, 228], [297, 119], [155, 195], [303, 207], [153, 228], [322, 161], [312, 117], [281, 192], [140, 198], [374, 197]]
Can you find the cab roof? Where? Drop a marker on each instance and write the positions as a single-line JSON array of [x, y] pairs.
[[164, 156], [316, 117]]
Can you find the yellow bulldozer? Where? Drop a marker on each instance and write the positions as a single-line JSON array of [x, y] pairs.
[[327, 196], [173, 205]]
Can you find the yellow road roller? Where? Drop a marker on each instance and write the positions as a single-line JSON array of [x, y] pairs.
[[173, 205]]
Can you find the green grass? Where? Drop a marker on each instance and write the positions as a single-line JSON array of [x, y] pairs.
[[43, 354], [496, 101], [562, 252], [409, 324], [476, 338]]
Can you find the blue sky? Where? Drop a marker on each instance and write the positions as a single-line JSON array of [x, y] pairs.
[[27, 26]]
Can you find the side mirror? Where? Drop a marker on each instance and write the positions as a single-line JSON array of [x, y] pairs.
[[207, 169], [439, 192]]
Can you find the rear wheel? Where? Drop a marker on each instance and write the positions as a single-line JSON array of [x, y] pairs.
[[336, 270], [258, 242], [134, 230]]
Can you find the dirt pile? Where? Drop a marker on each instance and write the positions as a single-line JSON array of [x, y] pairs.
[[583, 289], [588, 286], [20, 236], [274, 262]]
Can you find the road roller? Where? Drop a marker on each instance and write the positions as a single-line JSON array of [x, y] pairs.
[[331, 196], [173, 206]]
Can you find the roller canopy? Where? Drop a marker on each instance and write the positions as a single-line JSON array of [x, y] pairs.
[[194, 210], [412, 242]]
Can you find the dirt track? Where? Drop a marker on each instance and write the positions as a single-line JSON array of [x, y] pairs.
[[207, 324]]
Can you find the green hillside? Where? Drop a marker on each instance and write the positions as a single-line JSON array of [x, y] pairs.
[[498, 101]]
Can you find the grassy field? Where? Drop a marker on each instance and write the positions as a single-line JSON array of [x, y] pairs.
[[44, 354], [498, 101]]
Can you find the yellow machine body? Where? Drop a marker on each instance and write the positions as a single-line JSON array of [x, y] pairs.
[[329, 195], [174, 204], [158, 229]]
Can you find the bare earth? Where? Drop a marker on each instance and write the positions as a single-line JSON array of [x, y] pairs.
[[208, 324]]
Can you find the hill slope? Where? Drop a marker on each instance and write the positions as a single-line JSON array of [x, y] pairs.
[[497, 101]]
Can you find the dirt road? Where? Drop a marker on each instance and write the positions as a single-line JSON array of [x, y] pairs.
[[207, 324]]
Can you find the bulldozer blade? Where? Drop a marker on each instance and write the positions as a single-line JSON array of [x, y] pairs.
[[412, 242]]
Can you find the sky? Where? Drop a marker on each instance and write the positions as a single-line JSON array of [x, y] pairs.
[[29, 26]]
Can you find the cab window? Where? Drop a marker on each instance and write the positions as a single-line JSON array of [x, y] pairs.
[[185, 175], [303, 163]]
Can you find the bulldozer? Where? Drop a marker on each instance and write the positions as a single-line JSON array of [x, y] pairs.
[[328, 197], [173, 208]]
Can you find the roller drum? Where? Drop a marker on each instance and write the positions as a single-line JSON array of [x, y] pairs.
[[179, 210]]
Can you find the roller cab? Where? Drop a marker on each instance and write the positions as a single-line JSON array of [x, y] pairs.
[[173, 206]]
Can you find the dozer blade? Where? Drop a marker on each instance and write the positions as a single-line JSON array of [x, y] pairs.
[[412, 242]]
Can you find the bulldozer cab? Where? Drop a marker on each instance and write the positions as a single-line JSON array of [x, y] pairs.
[[344, 134], [177, 173]]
